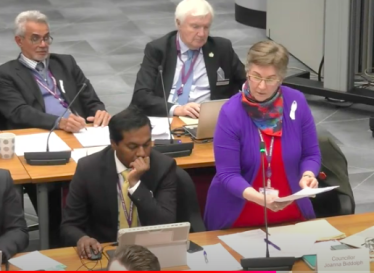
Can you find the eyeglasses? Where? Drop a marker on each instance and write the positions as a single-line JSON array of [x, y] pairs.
[[37, 40], [258, 80]]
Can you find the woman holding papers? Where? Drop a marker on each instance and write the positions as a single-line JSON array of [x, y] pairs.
[[276, 118]]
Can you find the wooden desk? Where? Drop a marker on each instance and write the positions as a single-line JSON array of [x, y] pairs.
[[348, 224], [17, 170]]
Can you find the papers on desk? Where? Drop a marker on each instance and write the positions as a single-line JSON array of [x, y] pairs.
[[77, 154], [218, 259], [189, 121], [38, 143], [251, 244], [93, 136], [358, 239], [322, 229], [160, 128], [36, 261], [99, 136], [307, 192]]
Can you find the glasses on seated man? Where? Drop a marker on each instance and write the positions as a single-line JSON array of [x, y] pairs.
[[134, 258]]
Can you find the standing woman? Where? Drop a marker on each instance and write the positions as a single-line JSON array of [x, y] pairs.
[[279, 116]]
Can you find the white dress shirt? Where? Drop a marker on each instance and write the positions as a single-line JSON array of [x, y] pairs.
[[200, 89]]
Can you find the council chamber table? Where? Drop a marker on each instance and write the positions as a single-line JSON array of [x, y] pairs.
[[201, 156], [349, 224]]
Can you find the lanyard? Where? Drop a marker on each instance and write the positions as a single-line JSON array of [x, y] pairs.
[[128, 214], [269, 155], [54, 92], [184, 77]]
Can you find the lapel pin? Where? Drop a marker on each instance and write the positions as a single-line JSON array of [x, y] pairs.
[[211, 55]]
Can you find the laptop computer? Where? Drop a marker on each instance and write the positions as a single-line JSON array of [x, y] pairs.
[[209, 112]]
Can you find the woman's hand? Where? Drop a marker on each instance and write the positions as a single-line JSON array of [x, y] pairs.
[[272, 205], [308, 180]]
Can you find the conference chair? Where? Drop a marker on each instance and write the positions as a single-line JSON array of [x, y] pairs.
[[334, 172], [187, 205]]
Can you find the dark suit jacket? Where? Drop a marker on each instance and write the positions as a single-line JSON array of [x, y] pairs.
[[148, 93], [22, 104], [14, 237], [92, 203]]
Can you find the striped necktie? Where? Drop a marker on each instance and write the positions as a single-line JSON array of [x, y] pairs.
[[124, 223]]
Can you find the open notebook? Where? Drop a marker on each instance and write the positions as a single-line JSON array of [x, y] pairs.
[[321, 228]]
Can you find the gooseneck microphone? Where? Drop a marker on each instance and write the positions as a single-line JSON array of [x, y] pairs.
[[267, 263], [171, 147], [160, 70], [53, 158]]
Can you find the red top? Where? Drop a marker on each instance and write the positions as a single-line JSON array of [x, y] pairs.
[[252, 213]]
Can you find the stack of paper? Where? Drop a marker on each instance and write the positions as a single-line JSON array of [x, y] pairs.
[[358, 239], [322, 229], [160, 128], [189, 121], [217, 259], [251, 244], [36, 261], [307, 192], [38, 143], [77, 154]]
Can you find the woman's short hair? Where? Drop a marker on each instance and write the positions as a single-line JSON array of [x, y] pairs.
[[194, 8], [266, 53], [136, 258]]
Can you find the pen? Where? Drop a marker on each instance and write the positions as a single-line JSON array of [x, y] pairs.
[[206, 257], [270, 243]]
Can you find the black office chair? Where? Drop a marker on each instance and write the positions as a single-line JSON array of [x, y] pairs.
[[187, 206], [334, 167]]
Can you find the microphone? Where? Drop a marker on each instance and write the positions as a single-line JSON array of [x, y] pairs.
[[53, 158], [268, 263], [171, 147]]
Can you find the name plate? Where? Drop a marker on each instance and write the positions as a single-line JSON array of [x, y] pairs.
[[352, 260]]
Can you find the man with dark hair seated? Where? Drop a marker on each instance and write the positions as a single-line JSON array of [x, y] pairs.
[[125, 185], [134, 258]]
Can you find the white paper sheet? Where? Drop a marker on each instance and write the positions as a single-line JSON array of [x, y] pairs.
[[358, 239], [321, 228], [36, 261], [93, 136], [189, 121], [307, 192], [77, 154], [218, 259], [251, 244], [38, 143]]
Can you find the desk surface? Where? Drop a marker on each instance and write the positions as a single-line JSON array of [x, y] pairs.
[[202, 156], [348, 224]]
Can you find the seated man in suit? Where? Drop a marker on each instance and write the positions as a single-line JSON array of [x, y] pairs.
[[122, 186], [37, 87], [134, 258], [14, 237], [194, 66]]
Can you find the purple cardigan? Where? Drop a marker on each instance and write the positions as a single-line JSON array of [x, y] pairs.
[[237, 157]]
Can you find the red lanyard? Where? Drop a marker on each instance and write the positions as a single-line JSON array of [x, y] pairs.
[[54, 92], [128, 214], [184, 77]]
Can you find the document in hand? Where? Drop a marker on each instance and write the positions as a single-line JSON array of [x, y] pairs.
[[358, 239], [322, 229], [307, 192]]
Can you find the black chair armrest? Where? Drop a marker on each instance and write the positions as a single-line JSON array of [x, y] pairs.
[[346, 205]]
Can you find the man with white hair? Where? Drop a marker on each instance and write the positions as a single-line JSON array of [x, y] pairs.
[[37, 87], [195, 67]]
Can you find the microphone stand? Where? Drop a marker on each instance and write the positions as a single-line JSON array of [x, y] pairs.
[[268, 263], [171, 147]]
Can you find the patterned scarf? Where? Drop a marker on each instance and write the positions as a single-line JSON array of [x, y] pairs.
[[266, 115]]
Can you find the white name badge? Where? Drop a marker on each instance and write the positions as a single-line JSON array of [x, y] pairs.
[[351, 260]]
